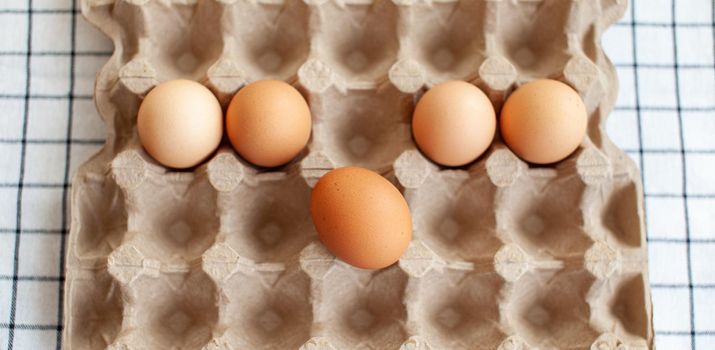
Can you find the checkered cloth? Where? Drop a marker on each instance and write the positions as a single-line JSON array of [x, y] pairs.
[[664, 119]]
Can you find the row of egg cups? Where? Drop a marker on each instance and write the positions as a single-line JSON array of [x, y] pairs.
[[180, 123], [360, 216], [258, 207]]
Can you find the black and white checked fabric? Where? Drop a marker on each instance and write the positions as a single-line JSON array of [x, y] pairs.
[[664, 119]]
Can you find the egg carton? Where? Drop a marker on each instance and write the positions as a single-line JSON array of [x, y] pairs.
[[505, 255]]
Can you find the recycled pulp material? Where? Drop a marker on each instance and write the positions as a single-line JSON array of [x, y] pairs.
[[505, 255]]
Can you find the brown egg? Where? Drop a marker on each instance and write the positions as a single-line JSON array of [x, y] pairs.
[[361, 217], [454, 123], [268, 123], [543, 121], [180, 123]]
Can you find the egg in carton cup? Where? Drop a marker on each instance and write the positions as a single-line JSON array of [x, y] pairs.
[[505, 255]]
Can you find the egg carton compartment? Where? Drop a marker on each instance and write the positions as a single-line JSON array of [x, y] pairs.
[[445, 39], [456, 309], [505, 255], [264, 309], [354, 308], [542, 214], [552, 312], [101, 217], [353, 45], [168, 311], [627, 307], [266, 218], [96, 319], [173, 225], [618, 216], [262, 40], [453, 214], [541, 51], [154, 48], [368, 128]]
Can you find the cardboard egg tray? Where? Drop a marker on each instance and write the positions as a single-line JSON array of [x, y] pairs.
[[505, 255]]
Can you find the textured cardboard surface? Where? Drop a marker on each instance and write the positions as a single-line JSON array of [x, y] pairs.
[[505, 255]]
